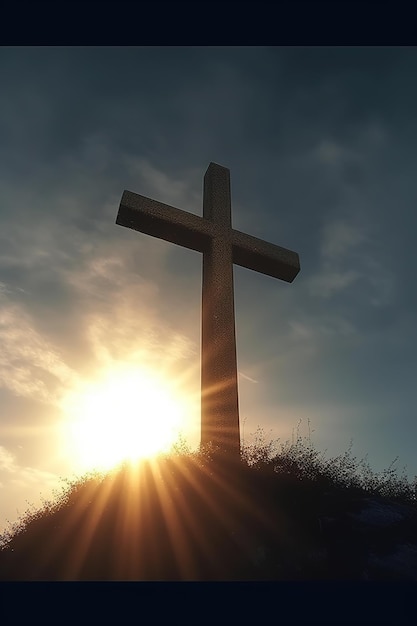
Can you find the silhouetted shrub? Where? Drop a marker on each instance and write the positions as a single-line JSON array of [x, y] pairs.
[[188, 516]]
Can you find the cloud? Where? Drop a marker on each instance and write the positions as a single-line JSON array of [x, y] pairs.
[[310, 331], [180, 189], [339, 238], [29, 365], [11, 473], [356, 149], [326, 283], [339, 268], [333, 153], [7, 461], [79, 295], [350, 259], [21, 488], [119, 321], [120, 318]]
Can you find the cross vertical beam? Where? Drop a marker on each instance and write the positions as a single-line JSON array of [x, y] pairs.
[[219, 380]]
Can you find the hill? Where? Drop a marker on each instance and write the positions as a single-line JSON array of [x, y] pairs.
[[283, 514]]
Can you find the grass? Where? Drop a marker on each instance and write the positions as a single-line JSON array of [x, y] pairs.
[[189, 516]]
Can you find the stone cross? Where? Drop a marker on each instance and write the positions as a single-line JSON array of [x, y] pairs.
[[221, 246]]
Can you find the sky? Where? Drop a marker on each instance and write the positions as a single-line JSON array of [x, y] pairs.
[[98, 321]]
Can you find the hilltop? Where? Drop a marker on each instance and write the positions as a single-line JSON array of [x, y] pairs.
[[285, 514]]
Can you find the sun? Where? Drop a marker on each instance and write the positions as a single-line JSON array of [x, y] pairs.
[[123, 416]]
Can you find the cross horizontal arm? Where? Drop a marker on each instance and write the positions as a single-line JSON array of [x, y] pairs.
[[264, 257], [195, 232], [164, 221]]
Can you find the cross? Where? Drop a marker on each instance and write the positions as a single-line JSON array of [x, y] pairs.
[[221, 246]]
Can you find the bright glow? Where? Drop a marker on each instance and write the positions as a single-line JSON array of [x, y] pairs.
[[126, 416]]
